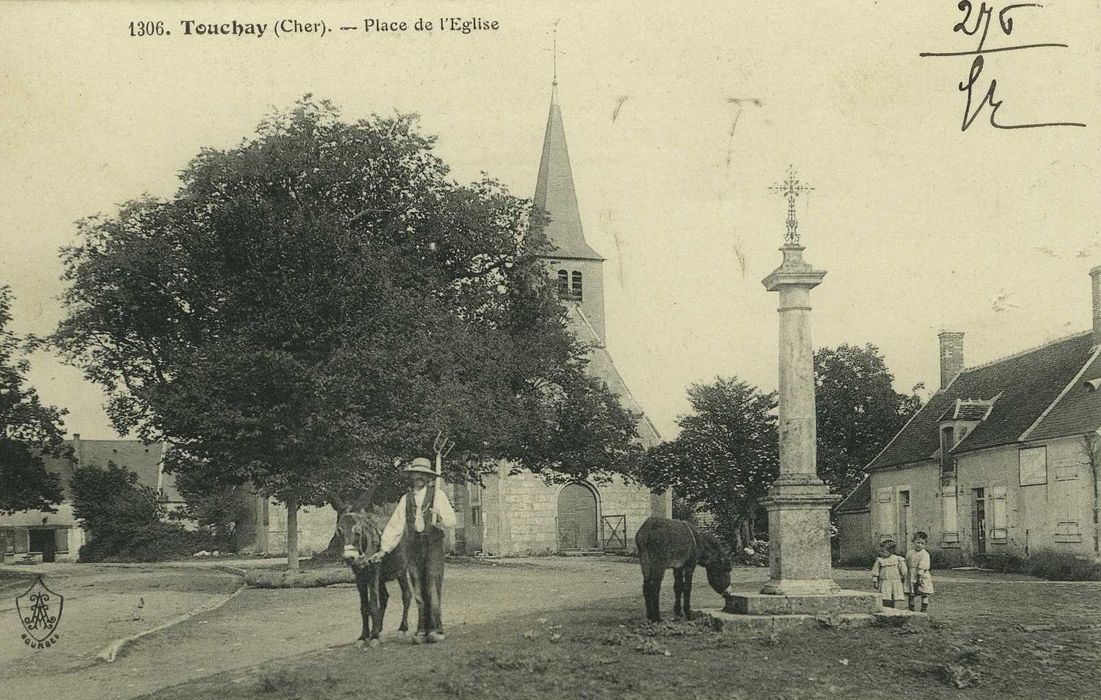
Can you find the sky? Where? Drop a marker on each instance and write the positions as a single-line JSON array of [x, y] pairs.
[[678, 120]]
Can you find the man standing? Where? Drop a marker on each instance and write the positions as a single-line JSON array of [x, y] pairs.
[[419, 518]]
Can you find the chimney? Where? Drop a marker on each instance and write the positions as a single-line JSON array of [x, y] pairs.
[[1095, 273], [951, 348]]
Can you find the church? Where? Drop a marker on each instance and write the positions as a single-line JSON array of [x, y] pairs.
[[519, 514]]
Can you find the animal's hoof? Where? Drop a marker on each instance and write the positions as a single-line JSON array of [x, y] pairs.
[[374, 643], [360, 643], [420, 638], [436, 637]]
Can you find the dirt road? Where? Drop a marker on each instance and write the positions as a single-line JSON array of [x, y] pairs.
[[262, 625]]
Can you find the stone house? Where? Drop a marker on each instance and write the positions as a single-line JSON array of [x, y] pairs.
[[58, 536], [1002, 460]]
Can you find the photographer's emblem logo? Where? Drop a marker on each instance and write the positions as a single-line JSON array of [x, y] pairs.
[[39, 610]]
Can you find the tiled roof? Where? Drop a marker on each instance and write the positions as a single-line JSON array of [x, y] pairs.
[[966, 410], [144, 460], [858, 500], [1078, 411], [603, 367], [1025, 385]]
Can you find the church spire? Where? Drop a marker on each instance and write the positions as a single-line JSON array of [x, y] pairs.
[[555, 196]]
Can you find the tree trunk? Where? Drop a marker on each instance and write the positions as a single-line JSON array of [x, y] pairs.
[[292, 532]]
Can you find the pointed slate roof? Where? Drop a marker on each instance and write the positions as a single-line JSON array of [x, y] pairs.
[[603, 367], [555, 195], [1032, 395]]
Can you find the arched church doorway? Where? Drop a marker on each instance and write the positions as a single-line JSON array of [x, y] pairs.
[[577, 518]]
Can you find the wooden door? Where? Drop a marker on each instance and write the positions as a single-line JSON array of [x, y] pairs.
[[577, 522]]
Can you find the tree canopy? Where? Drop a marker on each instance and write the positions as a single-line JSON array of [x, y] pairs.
[[29, 430], [858, 411], [725, 457], [322, 300]]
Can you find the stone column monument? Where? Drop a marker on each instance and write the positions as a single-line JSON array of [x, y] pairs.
[[799, 502]]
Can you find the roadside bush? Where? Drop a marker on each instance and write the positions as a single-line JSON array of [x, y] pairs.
[[945, 558], [1062, 566], [860, 561], [1004, 564], [755, 554], [123, 519]]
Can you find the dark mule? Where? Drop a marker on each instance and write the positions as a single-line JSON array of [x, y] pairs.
[[361, 536], [662, 544]]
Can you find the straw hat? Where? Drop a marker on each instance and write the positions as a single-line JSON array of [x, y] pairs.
[[420, 465]]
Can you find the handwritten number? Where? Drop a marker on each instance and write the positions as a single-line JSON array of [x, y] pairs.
[[1006, 21], [982, 17]]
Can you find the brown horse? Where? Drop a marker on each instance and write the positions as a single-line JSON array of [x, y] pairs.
[[662, 544], [362, 536]]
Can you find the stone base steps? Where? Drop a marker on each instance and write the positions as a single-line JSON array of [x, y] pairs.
[[887, 617]]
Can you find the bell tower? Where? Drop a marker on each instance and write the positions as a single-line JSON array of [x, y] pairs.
[[577, 269]]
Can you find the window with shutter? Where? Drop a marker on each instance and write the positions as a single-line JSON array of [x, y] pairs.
[[885, 513], [563, 284], [1067, 508], [1033, 465], [999, 524], [578, 287], [951, 521]]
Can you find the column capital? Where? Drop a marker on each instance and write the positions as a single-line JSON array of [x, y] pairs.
[[793, 271]]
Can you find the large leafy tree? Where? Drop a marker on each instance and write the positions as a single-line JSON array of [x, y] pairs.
[[725, 457], [29, 430], [857, 409], [322, 300]]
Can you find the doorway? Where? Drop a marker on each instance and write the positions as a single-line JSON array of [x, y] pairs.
[[577, 526], [978, 522], [44, 541]]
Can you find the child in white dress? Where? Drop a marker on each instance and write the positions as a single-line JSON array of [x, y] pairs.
[[888, 573], [919, 583]]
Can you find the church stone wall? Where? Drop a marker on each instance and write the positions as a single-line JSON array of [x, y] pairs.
[[519, 512]]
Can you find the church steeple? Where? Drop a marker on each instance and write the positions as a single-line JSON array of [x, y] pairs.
[[577, 268], [555, 195]]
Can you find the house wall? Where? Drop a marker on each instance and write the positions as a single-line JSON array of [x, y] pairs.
[[68, 535], [1054, 515], [856, 541], [889, 487]]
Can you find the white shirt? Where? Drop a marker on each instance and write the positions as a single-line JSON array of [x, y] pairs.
[[395, 527]]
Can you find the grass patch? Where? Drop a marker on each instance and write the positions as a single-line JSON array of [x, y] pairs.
[[311, 578]]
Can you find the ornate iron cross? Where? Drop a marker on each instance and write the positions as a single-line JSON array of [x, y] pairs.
[[555, 53], [791, 188]]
